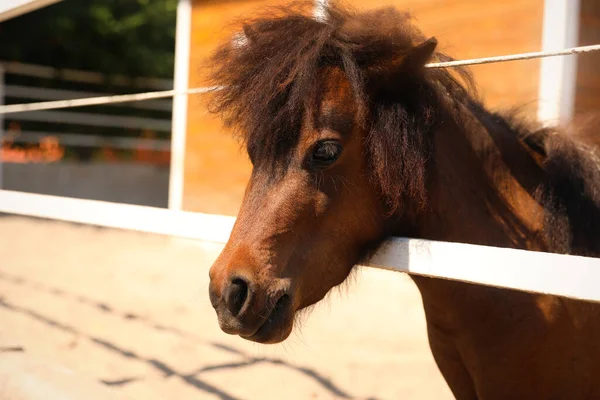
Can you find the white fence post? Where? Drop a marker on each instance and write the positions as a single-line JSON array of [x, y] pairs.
[[558, 75], [180, 103], [320, 11]]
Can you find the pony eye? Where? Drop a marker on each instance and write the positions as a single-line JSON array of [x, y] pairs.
[[325, 153]]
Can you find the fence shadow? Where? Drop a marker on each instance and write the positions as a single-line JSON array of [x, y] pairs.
[[111, 347], [167, 371]]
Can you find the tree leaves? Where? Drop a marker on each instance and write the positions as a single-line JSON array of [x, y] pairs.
[[132, 37]]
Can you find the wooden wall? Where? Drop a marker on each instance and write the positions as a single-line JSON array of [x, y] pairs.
[[587, 99], [217, 169]]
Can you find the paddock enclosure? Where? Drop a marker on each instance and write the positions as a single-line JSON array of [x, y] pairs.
[[110, 281]]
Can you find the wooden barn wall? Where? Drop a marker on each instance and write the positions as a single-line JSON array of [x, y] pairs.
[[217, 169], [587, 98]]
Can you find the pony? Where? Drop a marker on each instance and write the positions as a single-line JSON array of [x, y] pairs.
[[353, 140]]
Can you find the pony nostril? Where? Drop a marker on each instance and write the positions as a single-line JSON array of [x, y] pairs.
[[237, 295]]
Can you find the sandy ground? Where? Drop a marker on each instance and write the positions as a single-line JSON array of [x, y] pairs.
[[131, 310]]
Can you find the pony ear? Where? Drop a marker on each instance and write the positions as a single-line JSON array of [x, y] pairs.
[[250, 33], [385, 78], [420, 54], [245, 37]]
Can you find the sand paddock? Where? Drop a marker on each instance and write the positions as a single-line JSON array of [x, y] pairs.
[[130, 311]]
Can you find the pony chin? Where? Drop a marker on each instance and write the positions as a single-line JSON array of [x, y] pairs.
[[278, 335], [278, 326]]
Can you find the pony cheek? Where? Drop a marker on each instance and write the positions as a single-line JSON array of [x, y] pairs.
[[331, 269]]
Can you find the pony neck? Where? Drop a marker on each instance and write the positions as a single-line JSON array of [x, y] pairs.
[[482, 184], [481, 190]]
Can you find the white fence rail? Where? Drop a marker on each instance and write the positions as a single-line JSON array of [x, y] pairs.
[[500, 267], [211, 228]]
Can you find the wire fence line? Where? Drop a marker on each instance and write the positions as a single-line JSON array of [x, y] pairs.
[[515, 57], [49, 105], [92, 101]]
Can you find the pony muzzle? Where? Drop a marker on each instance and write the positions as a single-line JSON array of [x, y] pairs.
[[244, 308]]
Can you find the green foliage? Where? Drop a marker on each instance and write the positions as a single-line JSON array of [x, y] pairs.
[[132, 37]]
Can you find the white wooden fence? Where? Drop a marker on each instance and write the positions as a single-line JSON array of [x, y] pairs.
[[563, 275], [570, 276]]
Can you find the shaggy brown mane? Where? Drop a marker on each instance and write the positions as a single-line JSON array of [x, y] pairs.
[[273, 81]]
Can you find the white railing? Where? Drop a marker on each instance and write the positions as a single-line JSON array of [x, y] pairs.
[[500, 267]]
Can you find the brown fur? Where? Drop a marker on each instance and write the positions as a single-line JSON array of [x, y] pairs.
[[421, 157]]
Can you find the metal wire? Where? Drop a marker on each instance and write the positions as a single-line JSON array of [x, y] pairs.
[[126, 98]]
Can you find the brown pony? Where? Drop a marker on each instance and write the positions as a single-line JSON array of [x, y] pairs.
[[352, 140]]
